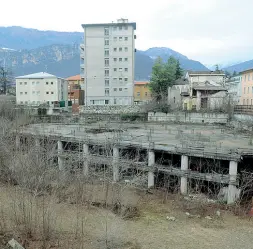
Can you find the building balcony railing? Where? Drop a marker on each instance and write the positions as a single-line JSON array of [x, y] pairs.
[[82, 65], [82, 46]]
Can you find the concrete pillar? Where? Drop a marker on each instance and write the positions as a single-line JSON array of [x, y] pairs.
[[198, 101], [60, 158], [184, 167], [37, 142], [151, 164], [17, 141], [86, 159], [232, 190], [115, 164]]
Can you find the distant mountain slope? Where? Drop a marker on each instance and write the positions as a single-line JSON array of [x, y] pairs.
[[165, 53], [58, 53], [240, 67], [23, 38]]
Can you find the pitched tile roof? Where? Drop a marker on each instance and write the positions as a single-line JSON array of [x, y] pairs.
[[141, 82], [75, 77]]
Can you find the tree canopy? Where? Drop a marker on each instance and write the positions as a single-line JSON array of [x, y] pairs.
[[163, 76]]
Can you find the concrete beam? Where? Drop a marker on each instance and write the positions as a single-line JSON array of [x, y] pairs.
[[183, 181], [86, 159], [115, 164], [60, 158], [151, 164], [232, 190]]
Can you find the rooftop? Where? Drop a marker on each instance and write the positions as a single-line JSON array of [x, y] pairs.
[[133, 24], [40, 75], [141, 82], [246, 71], [206, 73], [75, 77]]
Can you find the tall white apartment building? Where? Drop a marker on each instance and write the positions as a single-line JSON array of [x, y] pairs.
[[41, 88], [107, 62]]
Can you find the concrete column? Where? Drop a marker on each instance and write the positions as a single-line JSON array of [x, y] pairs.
[[198, 104], [17, 141], [60, 158], [115, 164], [151, 164], [86, 159], [184, 167], [37, 142], [232, 190]]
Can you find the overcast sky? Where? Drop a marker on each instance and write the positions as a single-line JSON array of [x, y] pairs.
[[211, 31]]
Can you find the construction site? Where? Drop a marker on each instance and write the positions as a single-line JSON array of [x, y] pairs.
[[212, 159]]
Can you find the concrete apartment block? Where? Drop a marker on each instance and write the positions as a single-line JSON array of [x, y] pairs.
[[107, 62]]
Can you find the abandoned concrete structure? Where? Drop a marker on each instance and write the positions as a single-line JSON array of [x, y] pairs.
[[189, 153]]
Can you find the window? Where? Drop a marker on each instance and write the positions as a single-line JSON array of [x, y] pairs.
[[106, 62], [249, 77], [115, 101], [120, 89], [26, 102], [106, 31], [106, 72], [120, 59], [33, 82], [245, 78], [252, 90], [114, 49], [120, 49], [38, 92], [25, 93], [248, 89], [106, 102], [114, 38], [106, 52], [120, 79], [120, 69], [106, 42], [125, 89], [114, 28], [115, 69], [126, 79], [251, 101], [247, 102], [114, 79], [20, 83], [126, 38], [120, 38], [126, 27], [120, 27], [115, 89], [244, 90], [126, 59], [25, 83], [21, 102], [107, 92], [126, 69], [146, 94], [37, 82], [47, 83], [52, 83], [138, 93], [47, 92], [244, 101], [33, 92], [52, 92], [38, 102], [115, 59], [106, 82], [126, 49], [21, 93]]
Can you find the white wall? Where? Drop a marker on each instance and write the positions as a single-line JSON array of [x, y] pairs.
[[38, 91]]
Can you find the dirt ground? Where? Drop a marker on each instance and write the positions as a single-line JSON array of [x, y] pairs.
[[92, 227]]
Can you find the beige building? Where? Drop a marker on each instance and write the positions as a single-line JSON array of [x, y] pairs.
[[107, 62], [246, 97]]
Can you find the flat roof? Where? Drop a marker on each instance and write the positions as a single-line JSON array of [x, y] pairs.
[[206, 73], [246, 71], [40, 75], [200, 140], [133, 24]]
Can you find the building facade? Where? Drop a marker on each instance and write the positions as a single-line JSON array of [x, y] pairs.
[[76, 96], [107, 63], [246, 87], [76, 80], [41, 88], [233, 85], [142, 92]]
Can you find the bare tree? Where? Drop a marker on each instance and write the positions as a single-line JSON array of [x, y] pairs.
[[5, 79]]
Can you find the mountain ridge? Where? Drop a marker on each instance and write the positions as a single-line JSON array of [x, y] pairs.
[[31, 50]]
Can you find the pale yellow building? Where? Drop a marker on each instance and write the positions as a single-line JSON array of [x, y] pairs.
[[246, 87], [142, 92]]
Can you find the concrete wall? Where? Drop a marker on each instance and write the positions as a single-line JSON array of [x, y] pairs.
[[189, 117], [110, 109]]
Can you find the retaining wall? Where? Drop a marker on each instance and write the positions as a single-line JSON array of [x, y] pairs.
[[189, 117], [110, 109]]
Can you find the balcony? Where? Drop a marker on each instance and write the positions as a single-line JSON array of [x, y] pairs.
[[82, 46]]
